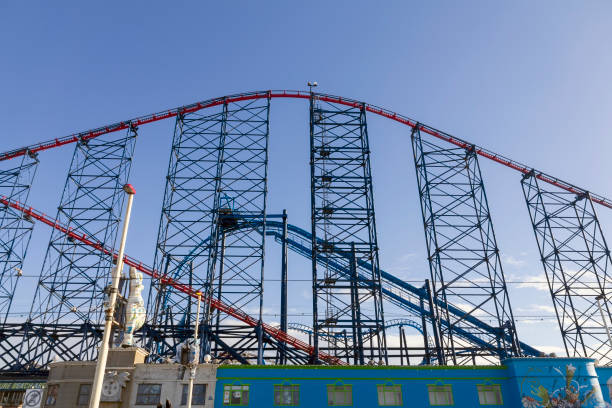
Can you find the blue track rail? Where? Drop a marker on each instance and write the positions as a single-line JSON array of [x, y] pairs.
[[395, 290]]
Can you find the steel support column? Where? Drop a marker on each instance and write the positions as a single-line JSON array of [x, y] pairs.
[[462, 250], [284, 285], [435, 325], [74, 276], [342, 211], [427, 358], [576, 261], [215, 190]]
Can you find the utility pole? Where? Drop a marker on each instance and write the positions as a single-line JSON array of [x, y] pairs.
[[94, 401], [193, 365]]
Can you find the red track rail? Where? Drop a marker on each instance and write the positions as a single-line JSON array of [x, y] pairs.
[[170, 113], [236, 313]]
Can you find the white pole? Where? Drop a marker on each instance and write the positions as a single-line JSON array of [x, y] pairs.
[[603, 317], [194, 364], [94, 401]]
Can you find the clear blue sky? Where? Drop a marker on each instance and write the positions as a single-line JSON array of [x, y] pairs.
[[527, 79]]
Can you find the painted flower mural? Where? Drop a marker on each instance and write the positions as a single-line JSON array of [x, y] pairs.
[[530, 402], [570, 395]]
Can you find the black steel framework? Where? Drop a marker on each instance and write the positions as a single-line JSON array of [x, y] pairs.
[[463, 255], [15, 234], [576, 261], [342, 211], [15, 230], [74, 276], [213, 229], [216, 184], [282, 355]]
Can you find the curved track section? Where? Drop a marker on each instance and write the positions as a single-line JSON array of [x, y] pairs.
[[209, 103], [394, 290]]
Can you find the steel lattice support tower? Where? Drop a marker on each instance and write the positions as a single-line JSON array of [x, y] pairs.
[[15, 233], [184, 227], [463, 256], [216, 187], [577, 263], [74, 276], [343, 227], [15, 230]]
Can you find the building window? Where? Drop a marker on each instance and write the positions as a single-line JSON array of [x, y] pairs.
[[52, 391], [489, 394], [287, 395], [84, 393], [338, 395], [440, 395], [13, 398], [389, 395], [198, 397], [235, 394], [148, 394]]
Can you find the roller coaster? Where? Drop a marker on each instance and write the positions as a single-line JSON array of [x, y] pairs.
[[214, 225]]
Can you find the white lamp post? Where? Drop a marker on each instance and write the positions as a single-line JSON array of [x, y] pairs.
[[94, 401], [194, 364], [312, 85], [603, 318]]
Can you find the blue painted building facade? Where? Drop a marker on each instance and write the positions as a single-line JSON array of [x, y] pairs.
[[519, 382]]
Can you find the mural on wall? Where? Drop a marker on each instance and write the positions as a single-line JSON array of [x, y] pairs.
[[609, 386], [52, 391], [567, 391]]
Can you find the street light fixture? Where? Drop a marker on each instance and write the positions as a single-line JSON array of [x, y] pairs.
[[94, 401], [603, 317], [313, 84]]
